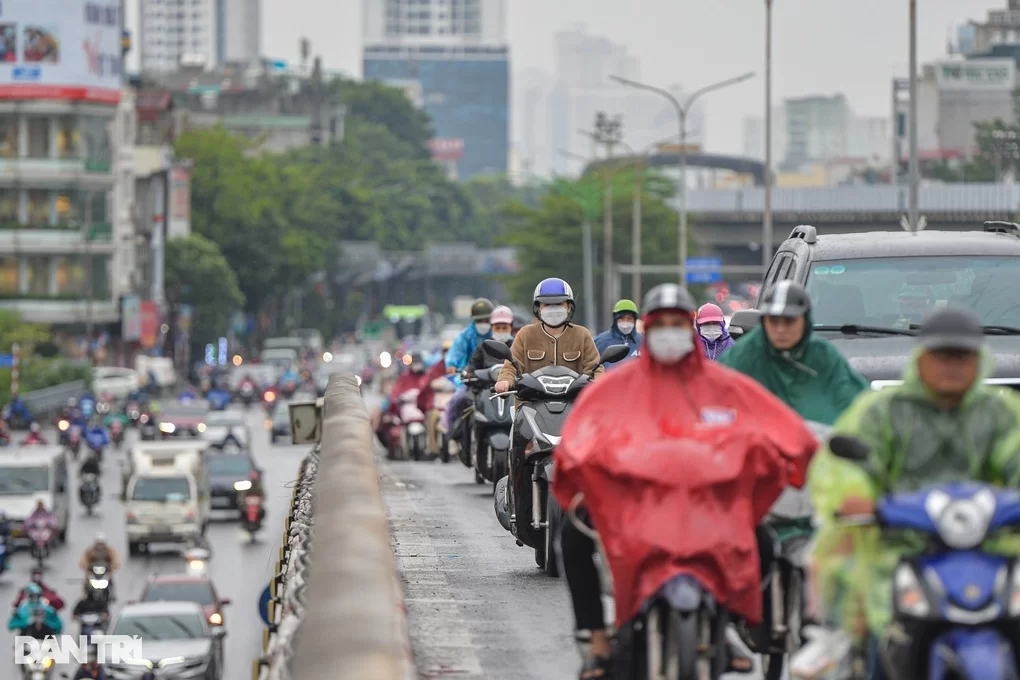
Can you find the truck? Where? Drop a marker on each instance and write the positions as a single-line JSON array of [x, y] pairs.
[[167, 494]]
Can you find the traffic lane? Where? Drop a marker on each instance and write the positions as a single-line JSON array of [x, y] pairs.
[[239, 568], [477, 604]]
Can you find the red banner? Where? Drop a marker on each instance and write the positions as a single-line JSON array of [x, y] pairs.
[[149, 313], [83, 94], [447, 148]]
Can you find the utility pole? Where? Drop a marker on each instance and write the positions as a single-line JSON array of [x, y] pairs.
[[88, 275], [608, 131], [635, 234], [766, 223], [913, 215]]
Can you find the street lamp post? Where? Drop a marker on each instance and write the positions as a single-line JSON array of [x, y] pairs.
[[681, 116], [912, 216], [766, 224]]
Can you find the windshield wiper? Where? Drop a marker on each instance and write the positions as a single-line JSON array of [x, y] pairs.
[[994, 329], [189, 634], [855, 329]]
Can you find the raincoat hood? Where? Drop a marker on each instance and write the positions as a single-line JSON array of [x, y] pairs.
[[713, 348], [813, 378], [913, 387], [649, 443]]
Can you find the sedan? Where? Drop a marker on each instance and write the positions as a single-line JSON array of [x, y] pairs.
[[187, 588], [228, 474], [278, 422], [176, 638]]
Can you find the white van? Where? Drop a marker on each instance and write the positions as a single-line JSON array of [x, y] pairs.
[[284, 357], [168, 499], [30, 474], [161, 367]]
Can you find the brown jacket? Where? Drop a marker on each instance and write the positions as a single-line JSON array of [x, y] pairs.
[[534, 348]]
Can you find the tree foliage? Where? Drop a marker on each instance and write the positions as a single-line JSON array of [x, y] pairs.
[[198, 274], [26, 335]]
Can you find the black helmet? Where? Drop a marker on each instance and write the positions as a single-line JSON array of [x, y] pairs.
[[481, 309], [786, 298], [668, 296]]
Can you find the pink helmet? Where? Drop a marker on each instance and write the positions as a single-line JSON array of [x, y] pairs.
[[709, 313], [502, 314]]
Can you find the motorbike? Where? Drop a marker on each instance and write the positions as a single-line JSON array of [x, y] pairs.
[[133, 410], [98, 581], [960, 602], [117, 434], [529, 512], [92, 623], [412, 431], [247, 394], [443, 390], [269, 397], [41, 535], [492, 421], [89, 492], [251, 520], [38, 669], [74, 440], [147, 428], [288, 389]]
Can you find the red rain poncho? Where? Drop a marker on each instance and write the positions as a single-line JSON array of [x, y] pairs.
[[677, 466], [405, 382]]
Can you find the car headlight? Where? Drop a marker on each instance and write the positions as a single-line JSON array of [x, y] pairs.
[[167, 427], [171, 661], [962, 523], [242, 486], [910, 596], [216, 619], [201, 427]]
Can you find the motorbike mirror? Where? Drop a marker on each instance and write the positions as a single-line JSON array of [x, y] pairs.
[[849, 448], [614, 353], [499, 349], [743, 321], [224, 603]]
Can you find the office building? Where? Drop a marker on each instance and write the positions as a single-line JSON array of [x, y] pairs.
[[754, 135], [206, 33], [454, 55], [1001, 27]]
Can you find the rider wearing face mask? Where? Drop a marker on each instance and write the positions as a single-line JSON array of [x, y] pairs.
[[712, 329], [553, 340], [671, 399], [622, 332], [502, 321], [783, 354], [457, 359]]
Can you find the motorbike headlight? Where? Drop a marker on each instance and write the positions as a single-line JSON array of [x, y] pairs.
[[63, 425], [98, 583], [242, 486], [910, 596], [962, 523], [167, 427], [201, 427], [47, 662]]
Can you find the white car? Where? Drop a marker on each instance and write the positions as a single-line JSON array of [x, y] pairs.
[[116, 381]]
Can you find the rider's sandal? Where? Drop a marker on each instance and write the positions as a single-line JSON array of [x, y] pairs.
[[596, 668]]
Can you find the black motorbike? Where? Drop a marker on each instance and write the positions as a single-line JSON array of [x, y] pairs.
[[491, 437], [88, 492], [247, 393], [148, 429], [524, 504], [98, 582]]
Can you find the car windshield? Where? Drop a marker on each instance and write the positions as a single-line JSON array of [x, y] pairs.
[[220, 419], [161, 627], [161, 489], [898, 292], [180, 591], [22, 481], [281, 414], [239, 466], [183, 412]]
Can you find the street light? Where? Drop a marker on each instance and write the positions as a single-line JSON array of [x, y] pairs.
[[681, 115], [912, 216], [766, 222]]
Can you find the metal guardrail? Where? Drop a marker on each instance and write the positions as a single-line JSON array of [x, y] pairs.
[[51, 399], [336, 608]]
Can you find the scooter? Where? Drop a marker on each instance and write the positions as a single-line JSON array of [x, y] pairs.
[[443, 389], [41, 535], [89, 492], [247, 394], [38, 669], [527, 509], [133, 411], [74, 441], [98, 582], [251, 519], [492, 422], [412, 432], [147, 428], [92, 623], [117, 434], [960, 602]]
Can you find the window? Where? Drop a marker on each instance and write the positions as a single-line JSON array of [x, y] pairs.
[[239, 466], [9, 206], [8, 274], [199, 592], [8, 136], [38, 276], [39, 207], [780, 265], [95, 136], [38, 137], [68, 137], [71, 275], [100, 276], [161, 489], [161, 627], [900, 291], [24, 481]]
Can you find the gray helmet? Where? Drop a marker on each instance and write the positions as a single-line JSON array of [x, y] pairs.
[[788, 299], [481, 309], [668, 296]]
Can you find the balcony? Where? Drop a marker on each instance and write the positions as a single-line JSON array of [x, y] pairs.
[[46, 172], [61, 310], [44, 238]]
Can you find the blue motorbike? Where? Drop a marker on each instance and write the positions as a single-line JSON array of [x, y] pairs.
[[962, 602]]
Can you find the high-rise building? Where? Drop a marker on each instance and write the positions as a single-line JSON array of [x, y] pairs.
[[818, 128], [198, 32], [455, 54], [1002, 27], [754, 135]]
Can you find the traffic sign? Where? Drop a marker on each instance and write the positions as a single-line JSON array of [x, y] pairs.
[[6, 360], [704, 270], [264, 606]]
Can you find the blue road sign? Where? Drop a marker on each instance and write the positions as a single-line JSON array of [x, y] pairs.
[[264, 606], [6, 360], [704, 270]]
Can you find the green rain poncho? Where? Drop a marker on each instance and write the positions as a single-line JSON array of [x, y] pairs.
[[915, 443], [813, 378]]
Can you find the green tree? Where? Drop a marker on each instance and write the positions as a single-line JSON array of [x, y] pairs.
[[27, 335], [199, 275], [997, 154]]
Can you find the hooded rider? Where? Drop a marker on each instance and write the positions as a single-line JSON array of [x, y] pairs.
[[464, 346], [669, 394], [711, 324], [502, 322], [622, 332], [941, 424], [48, 593], [783, 354], [34, 615]]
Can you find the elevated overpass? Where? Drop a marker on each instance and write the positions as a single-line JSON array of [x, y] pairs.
[[727, 222], [663, 159]]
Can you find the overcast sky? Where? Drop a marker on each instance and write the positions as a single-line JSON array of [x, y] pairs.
[[821, 46]]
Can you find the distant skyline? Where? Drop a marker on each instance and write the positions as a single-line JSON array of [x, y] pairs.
[[820, 46]]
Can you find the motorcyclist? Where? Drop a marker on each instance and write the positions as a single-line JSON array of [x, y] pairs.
[[18, 408], [622, 332], [427, 395], [669, 394], [464, 346], [91, 465], [34, 435], [101, 552], [807, 372], [40, 515], [90, 670], [48, 593], [553, 340], [942, 424], [34, 615], [96, 435], [711, 325], [256, 490], [502, 321], [90, 603], [411, 379]]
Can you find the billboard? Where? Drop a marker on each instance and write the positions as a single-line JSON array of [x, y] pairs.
[[989, 75], [447, 149], [180, 202], [60, 49], [131, 319], [149, 323]]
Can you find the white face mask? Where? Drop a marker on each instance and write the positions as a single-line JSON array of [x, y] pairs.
[[502, 337], [483, 328], [711, 331], [669, 345], [554, 317], [625, 327]]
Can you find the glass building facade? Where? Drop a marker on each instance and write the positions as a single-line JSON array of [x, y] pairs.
[[466, 93]]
